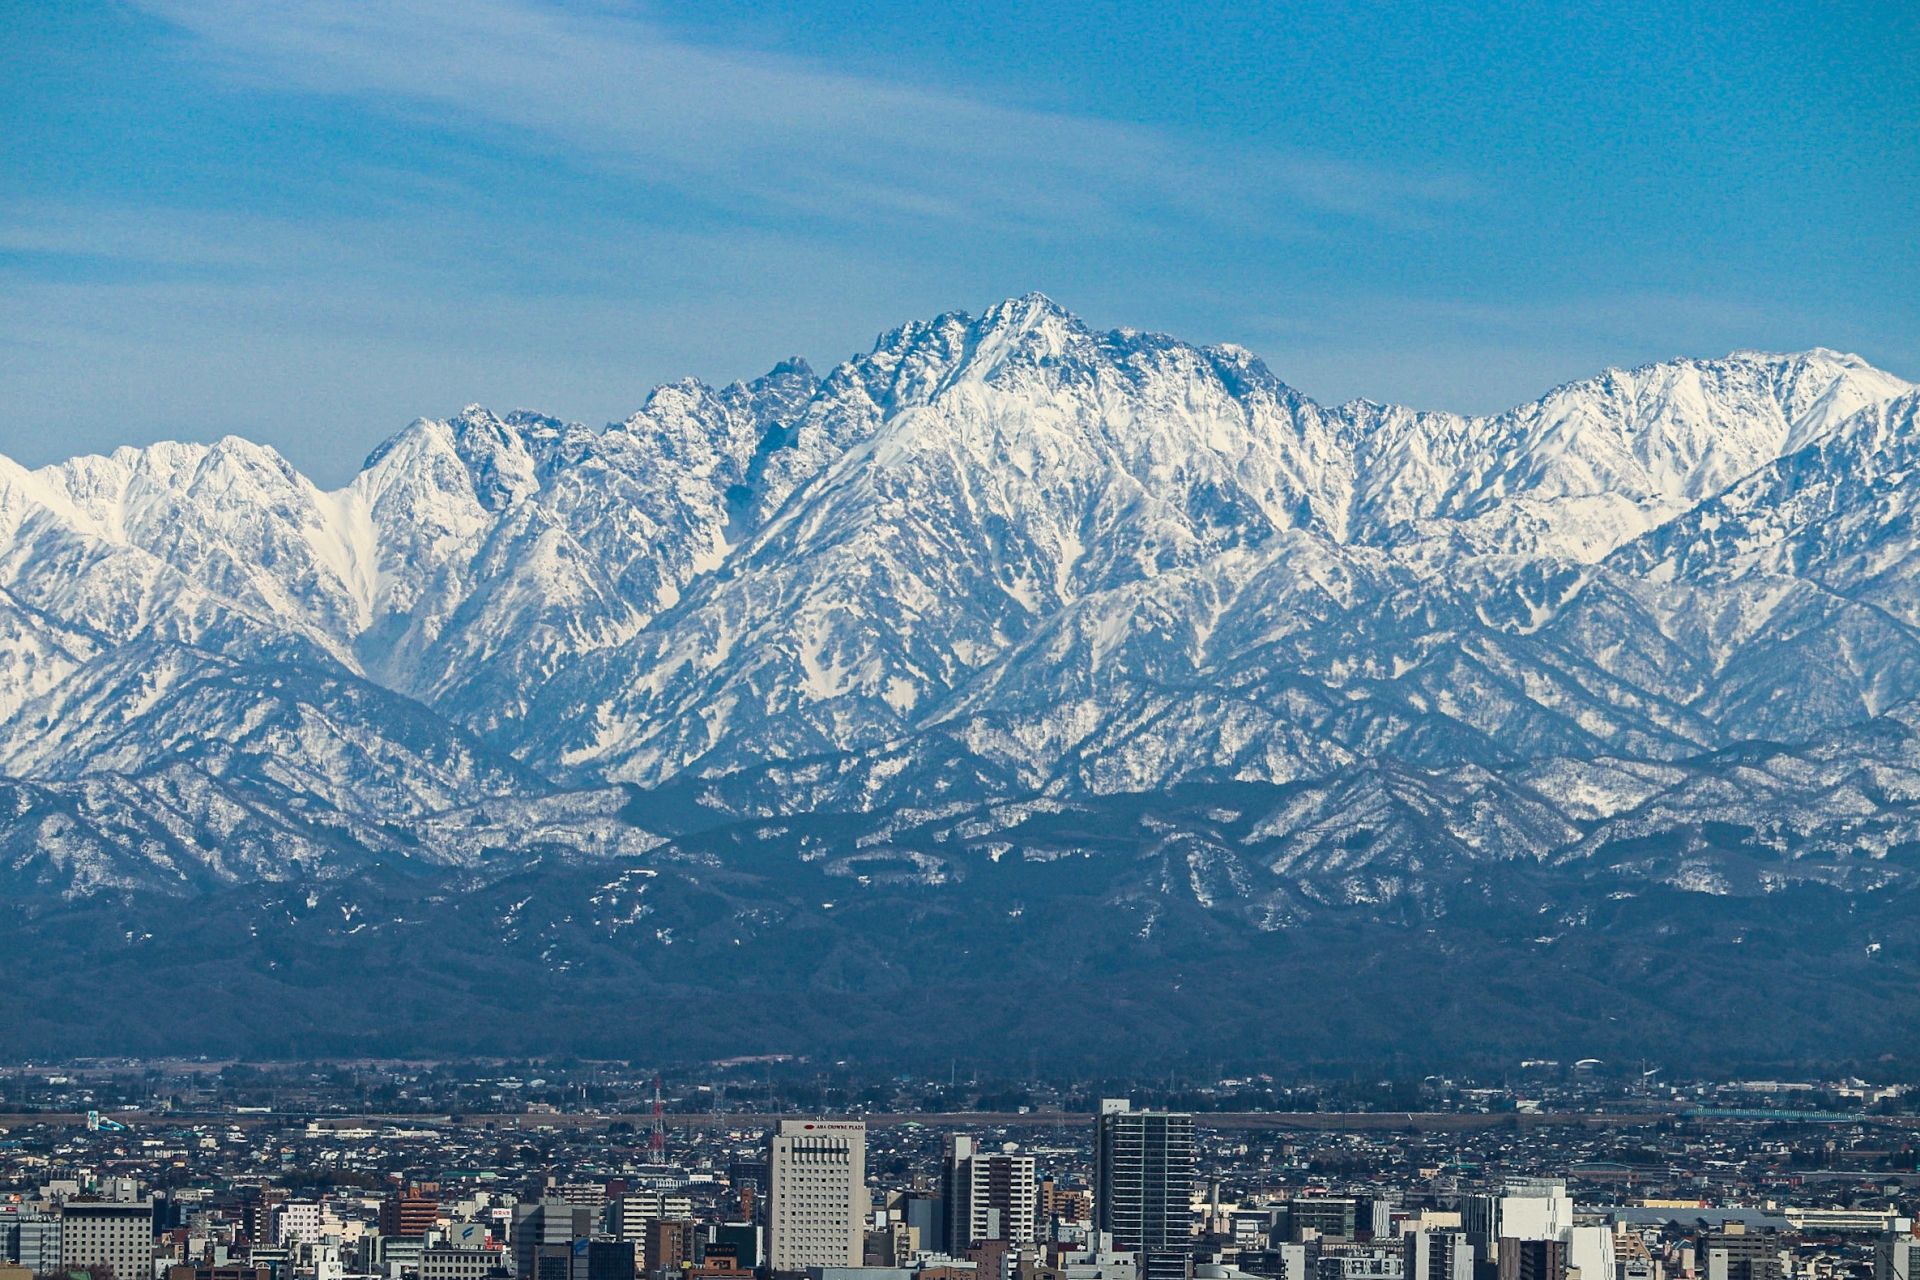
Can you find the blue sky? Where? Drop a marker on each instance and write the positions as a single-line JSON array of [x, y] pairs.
[[308, 223]]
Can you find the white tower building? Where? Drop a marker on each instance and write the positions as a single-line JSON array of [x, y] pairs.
[[817, 1203]]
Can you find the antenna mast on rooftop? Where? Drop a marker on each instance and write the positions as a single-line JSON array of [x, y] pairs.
[[658, 1142]]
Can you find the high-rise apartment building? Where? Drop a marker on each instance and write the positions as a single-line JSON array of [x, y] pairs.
[[30, 1236], [817, 1203], [1282, 1261], [1439, 1255], [1590, 1252], [955, 1220], [1057, 1203], [987, 1196], [411, 1214], [116, 1233], [1361, 1260], [893, 1245], [668, 1245], [257, 1214], [1532, 1259], [1143, 1171], [296, 1221], [628, 1214], [1525, 1209], [1897, 1257]]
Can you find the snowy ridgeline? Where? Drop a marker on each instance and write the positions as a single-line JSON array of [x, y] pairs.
[[994, 560]]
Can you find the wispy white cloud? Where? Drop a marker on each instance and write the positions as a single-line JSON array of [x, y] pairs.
[[126, 325], [753, 132], [313, 219]]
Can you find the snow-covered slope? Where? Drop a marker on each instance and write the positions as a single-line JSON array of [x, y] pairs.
[[1596, 463], [1142, 561], [995, 558]]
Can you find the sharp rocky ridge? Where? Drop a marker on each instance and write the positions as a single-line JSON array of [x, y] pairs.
[[998, 568]]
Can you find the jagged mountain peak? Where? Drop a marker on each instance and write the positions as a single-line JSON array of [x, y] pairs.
[[1837, 510], [1010, 549], [919, 359], [1120, 626], [1596, 462], [1809, 355]]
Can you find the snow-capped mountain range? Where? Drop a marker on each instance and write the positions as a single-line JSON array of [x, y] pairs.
[[996, 563]]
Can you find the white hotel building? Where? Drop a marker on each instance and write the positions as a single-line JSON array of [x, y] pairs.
[[817, 1197]]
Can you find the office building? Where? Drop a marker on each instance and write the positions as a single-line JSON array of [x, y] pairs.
[[1143, 1171], [1734, 1253], [114, 1233], [462, 1251], [605, 1260], [927, 1214], [747, 1240], [748, 1173], [543, 1236], [447, 1261], [1637, 1269], [1250, 1227], [30, 1236], [394, 1254], [1322, 1217], [232, 1271], [720, 1262], [817, 1205]]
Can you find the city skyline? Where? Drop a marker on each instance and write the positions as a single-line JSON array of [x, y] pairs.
[[568, 1193]]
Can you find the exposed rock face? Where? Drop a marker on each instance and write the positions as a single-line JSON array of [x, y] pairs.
[[996, 562]]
